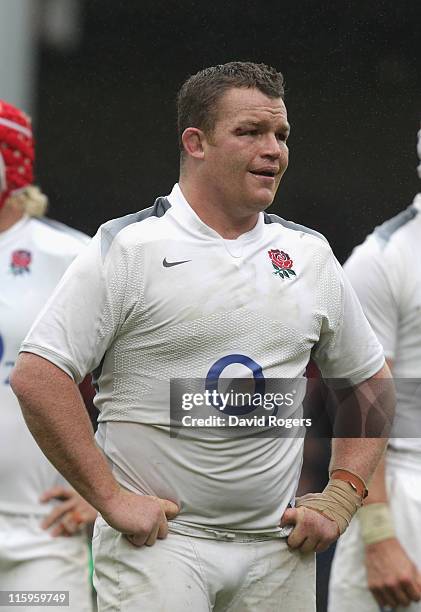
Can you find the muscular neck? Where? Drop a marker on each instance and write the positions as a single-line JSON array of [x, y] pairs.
[[207, 207]]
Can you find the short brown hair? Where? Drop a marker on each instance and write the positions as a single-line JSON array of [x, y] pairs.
[[197, 100]]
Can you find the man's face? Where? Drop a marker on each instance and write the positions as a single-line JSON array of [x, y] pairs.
[[246, 153]]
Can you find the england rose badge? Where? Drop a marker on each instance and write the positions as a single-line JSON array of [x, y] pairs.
[[282, 263], [20, 261]]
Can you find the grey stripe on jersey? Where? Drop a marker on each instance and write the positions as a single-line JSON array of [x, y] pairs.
[[271, 218], [385, 231], [61, 227], [110, 229]]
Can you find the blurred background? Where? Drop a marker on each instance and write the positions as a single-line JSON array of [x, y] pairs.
[[100, 78]]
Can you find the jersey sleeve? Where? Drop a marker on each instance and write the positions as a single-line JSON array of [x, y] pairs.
[[376, 287], [347, 348], [83, 314]]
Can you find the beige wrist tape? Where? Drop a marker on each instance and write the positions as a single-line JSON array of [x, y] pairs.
[[376, 523], [338, 502]]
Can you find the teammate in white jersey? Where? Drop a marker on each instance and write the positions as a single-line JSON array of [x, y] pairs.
[[202, 285], [379, 559], [37, 506]]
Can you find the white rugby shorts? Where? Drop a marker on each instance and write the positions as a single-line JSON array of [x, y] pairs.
[[32, 560], [188, 573]]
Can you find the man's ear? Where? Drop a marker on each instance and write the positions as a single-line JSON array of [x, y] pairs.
[[192, 139]]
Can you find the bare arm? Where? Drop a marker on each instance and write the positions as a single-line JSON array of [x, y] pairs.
[[56, 416], [371, 406], [313, 530], [392, 576]]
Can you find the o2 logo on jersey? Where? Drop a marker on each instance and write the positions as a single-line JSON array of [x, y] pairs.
[[5, 382], [222, 399], [7, 364]]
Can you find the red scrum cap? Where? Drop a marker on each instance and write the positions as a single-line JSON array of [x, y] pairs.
[[16, 151]]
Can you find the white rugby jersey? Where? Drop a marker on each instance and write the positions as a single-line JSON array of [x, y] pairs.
[[34, 254], [160, 295], [385, 271]]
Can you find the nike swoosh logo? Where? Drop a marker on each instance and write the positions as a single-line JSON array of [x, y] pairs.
[[170, 264]]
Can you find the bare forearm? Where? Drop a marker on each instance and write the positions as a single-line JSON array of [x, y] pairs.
[[372, 405], [359, 455], [56, 416], [377, 493]]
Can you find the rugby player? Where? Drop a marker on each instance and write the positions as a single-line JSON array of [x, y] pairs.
[[43, 545], [203, 284], [378, 562]]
